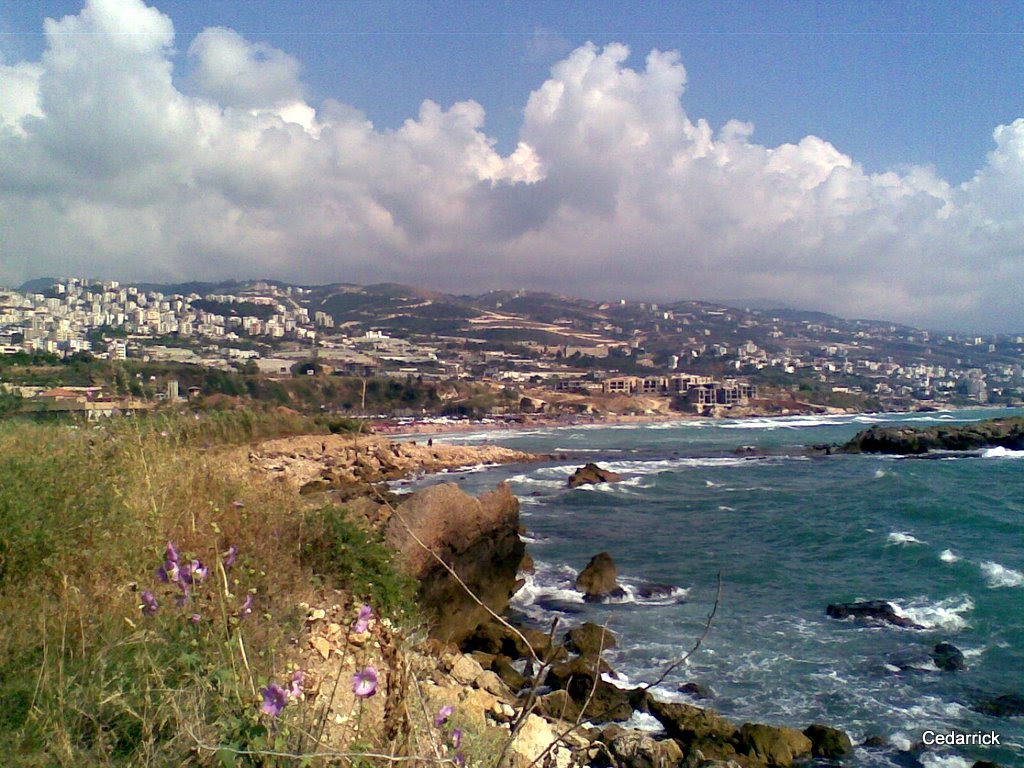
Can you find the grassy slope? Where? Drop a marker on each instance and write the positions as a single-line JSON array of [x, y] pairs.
[[85, 517]]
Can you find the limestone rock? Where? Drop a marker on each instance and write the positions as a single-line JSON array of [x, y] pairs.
[[477, 538], [636, 749], [776, 746], [696, 728], [589, 640], [599, 578], [827, 742], [591, 474], [465, 669]]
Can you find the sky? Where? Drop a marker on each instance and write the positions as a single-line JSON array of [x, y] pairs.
[[864, 159]]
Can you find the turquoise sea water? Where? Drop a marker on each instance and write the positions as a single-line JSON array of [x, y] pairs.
[[942, 539]]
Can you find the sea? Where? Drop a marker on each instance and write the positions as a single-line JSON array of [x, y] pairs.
[[739, 503]]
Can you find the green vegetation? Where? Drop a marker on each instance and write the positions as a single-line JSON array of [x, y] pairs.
[[102, 663]]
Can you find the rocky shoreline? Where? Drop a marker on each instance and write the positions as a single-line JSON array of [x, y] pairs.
[[547, 690], [315, 463]]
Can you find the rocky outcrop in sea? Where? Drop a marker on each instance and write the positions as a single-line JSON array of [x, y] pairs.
[[1004, 432]]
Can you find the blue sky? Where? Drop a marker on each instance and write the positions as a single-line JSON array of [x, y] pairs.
[[902, 98]]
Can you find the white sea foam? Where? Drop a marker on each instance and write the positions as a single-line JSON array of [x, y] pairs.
[[933, 760], [947, 614], [999, 452], [903, 538], [880, 473], [947, 556], [1001, 576]]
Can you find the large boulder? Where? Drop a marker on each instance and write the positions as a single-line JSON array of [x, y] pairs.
[[592, 474], [773, 745], [580, 678], [696, 728], [637, 749], [478, 538], [828, 742], [599, 578], [589, 640], [872, 610]]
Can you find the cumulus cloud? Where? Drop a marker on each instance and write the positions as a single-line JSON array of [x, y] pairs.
[[109, 168], [237, 73]]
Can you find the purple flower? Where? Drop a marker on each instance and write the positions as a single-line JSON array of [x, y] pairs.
[[363, 620], [274, 699], [195, 618], [457, 738], [364, 683], [149, 604], [238, 503], [182, 599], [295, 689], [443, 714], [168, 572], [194, 572], [171, 555], [459, 760], [246, 607], [229, 558]]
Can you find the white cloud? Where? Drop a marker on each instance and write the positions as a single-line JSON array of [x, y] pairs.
[[237, 73], [107, 168]]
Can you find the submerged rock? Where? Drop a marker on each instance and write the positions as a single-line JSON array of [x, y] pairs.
[[872, 610], [592, 474], [1007, 705], [948, 657]]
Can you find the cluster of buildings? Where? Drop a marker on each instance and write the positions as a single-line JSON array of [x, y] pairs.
[[703, 357]]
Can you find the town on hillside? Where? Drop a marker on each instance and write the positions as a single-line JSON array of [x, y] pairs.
[[102, 347]]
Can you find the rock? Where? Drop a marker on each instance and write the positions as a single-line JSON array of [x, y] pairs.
[[655, 591], [696, 691], [696, 759], [1003, 432], [827, 742], [527, 564], [490, 682], [591, 474], [607, 703], [873, 610], [948, 657], [776, 746], [599, 578], [1007, 705], [637, 749], [533, 740], [696, 728], [502, 665], [985, 764], [558, 705], [465, 669], [478, 538], [589, 640]]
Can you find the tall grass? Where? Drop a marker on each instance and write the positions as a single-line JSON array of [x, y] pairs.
[[86, 514]]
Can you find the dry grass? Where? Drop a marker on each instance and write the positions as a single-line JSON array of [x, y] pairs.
[[86, 678]]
